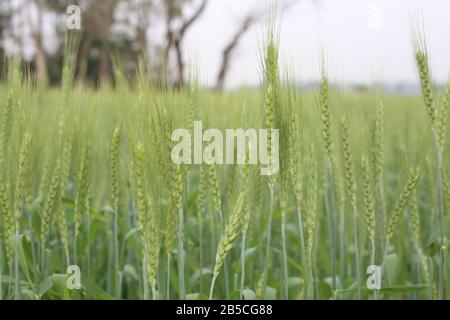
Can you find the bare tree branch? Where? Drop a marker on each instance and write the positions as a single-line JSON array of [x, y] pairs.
[[226, 53], [188, 23], [174, 38], [37, 36], [180, 64], [251, 18]]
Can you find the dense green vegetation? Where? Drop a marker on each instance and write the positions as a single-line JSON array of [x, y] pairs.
[[86, 179]]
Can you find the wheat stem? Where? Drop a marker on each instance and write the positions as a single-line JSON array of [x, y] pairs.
[[243, 245], [181, 255], [441, 275], [357, 257], [268, 245], [301, 235], [329, 201], [168, 277], [144, 274], [284, 255], [17, 294]]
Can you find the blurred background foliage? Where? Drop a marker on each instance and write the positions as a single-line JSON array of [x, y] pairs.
[[122, 31]]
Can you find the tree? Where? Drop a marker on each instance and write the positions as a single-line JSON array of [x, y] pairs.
[[130, 39], [231, 47], [38, 39], [175, 35], [98, 19], [246, 23], [4, 25]]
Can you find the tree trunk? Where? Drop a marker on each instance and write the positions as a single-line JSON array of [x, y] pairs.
[[230, 48], [2, 64], [83, 58], [104, 72], [41, 57], [180, 64], [41, 64]]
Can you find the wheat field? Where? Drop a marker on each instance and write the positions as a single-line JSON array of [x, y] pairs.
[[86, 180]]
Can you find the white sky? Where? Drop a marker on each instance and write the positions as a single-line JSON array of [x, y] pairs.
[[364, 40]]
